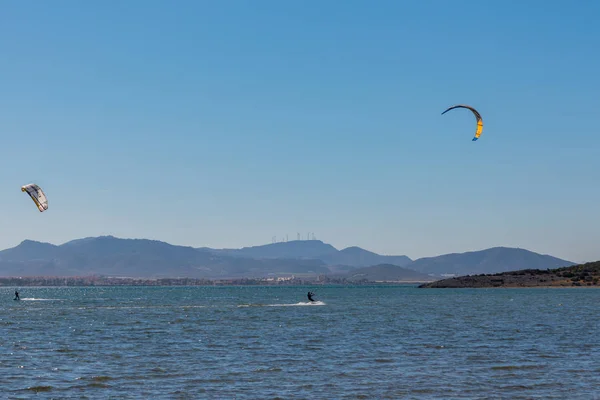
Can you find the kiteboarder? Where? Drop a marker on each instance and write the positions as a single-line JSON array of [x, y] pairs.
[[310, 296], [17, 295]]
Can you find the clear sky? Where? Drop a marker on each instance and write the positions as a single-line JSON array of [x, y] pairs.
[[225, 123]]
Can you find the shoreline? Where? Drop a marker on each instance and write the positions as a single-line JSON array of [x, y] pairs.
[[521, 287], [577, 276], [61, 282]]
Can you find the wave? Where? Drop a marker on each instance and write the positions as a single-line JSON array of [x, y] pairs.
[[308, 303], [34, 299], [314, 303]]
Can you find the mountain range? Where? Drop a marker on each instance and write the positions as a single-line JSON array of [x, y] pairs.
[[111, 256]]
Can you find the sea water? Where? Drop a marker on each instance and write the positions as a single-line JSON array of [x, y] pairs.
[[371, 342]]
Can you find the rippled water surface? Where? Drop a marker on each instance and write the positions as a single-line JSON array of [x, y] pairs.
[[267, 342]]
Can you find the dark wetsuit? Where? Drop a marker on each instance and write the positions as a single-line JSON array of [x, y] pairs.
[[17, 295], [310, 295]]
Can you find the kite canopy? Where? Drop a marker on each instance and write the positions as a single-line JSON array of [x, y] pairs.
[[37, 195], [477, 117]]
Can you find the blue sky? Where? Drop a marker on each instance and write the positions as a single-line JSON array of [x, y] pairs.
[[225, 123]]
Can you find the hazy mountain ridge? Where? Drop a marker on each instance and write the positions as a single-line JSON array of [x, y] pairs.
[[357, 257], [492, 260], [297, 249], [315, 249], [108, 255]]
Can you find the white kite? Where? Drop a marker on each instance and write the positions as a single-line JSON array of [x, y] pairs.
[[37, 195]]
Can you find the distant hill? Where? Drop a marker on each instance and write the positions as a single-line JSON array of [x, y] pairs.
[[107, 255], [388, 273], [296, 249], [497, 259], [585, 275], [143, 258], [357, 257], [315, 250], [30, 250]]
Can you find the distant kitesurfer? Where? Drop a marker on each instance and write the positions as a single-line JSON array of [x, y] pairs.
[[17, 295], [310, 296]]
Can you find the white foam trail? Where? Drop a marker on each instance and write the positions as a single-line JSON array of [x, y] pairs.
[[312, 303], [34, 299]]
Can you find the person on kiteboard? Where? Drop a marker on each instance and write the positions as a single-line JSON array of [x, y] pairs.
[[310, 296]]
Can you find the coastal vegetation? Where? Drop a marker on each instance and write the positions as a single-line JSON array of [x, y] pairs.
[[583, 275]]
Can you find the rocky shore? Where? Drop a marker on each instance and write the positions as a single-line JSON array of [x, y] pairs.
[[584, 275]]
